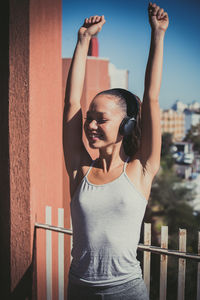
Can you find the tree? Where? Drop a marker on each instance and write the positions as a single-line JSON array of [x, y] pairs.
[[170, 199], [170, 205], [193, 136], [167, 161]]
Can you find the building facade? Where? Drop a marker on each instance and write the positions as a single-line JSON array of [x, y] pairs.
[[191, 119], [174, 123]]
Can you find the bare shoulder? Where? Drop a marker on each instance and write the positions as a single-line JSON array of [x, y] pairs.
[[78, 174], [141, 179]]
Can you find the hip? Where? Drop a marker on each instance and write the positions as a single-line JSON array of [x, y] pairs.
[[134, 289]]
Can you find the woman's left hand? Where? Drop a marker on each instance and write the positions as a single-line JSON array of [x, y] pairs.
[[158, 18]]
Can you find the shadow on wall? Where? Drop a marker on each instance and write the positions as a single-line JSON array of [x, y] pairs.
[[27, 287]]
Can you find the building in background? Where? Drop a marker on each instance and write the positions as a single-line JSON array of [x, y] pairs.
[[174, 123], [180, 118], [191, 112], [118, 77], [94, 47], [192, 118], [194, 106], [180, 106]]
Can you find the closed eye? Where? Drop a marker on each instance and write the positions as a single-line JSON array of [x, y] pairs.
[[100, 121]]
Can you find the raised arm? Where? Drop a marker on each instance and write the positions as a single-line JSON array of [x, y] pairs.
[[150, 115], [73, 146]]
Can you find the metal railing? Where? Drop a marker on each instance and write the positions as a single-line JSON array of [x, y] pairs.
[[147, 248]]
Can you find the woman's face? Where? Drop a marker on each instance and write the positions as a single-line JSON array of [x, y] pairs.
[[102, 122]]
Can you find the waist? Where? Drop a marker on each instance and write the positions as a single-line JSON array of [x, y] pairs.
[[104, 267]]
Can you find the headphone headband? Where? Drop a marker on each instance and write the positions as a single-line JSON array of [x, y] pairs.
[[131, 100], [132, 107]]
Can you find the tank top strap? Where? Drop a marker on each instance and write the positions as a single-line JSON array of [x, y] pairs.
[[124, 168], [88, 171], [125, 164]]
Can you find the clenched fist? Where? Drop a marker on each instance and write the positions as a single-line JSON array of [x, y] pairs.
[[91, 26], [158, 18]]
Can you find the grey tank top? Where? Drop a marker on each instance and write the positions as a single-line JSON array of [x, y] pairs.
[[106, 223]]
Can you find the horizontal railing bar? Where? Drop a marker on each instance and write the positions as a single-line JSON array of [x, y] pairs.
[[141, 247], [53, 228], [158, 250]]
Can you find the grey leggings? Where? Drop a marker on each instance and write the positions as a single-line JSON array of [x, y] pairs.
[[131, 290]]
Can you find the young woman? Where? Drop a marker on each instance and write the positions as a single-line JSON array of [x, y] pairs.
[[109, 195]]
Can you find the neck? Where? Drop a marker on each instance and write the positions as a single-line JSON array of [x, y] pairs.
[[111, 157]]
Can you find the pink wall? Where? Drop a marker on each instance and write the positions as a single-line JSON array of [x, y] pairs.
[[45, 125]]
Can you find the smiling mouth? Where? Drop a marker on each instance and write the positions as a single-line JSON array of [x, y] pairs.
[[94, 136]]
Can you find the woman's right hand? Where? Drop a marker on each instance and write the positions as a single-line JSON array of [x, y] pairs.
[[91, 26]]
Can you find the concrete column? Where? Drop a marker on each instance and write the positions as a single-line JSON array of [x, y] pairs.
[[30, 140]]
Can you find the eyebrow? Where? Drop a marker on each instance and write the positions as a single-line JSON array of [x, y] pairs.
[[99, 113]]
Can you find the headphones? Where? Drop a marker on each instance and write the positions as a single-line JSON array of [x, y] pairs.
[[128, 123]]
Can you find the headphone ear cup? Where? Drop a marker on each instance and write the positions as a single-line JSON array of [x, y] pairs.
[[127, 125]]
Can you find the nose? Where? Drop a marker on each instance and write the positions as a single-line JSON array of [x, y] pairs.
[[93, 125]]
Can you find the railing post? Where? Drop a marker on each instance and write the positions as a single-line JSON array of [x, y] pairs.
[[48, 254], [198, 270], [147, 256], [60, 255], [182, 265], [163, 263]]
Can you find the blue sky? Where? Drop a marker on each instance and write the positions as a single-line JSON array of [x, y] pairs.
[[125, 40]]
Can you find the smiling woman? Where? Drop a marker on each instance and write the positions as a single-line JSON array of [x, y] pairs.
[[109, 195]]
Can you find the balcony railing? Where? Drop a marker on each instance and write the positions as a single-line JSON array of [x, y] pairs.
[[147, 248]]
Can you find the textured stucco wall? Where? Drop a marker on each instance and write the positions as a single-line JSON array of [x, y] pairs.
[[19, 141]]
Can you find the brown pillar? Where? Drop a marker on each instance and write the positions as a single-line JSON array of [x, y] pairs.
[[14, 141], [30, 139], [4, 155]]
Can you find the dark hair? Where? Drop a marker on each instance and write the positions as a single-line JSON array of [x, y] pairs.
[[131, 105]]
